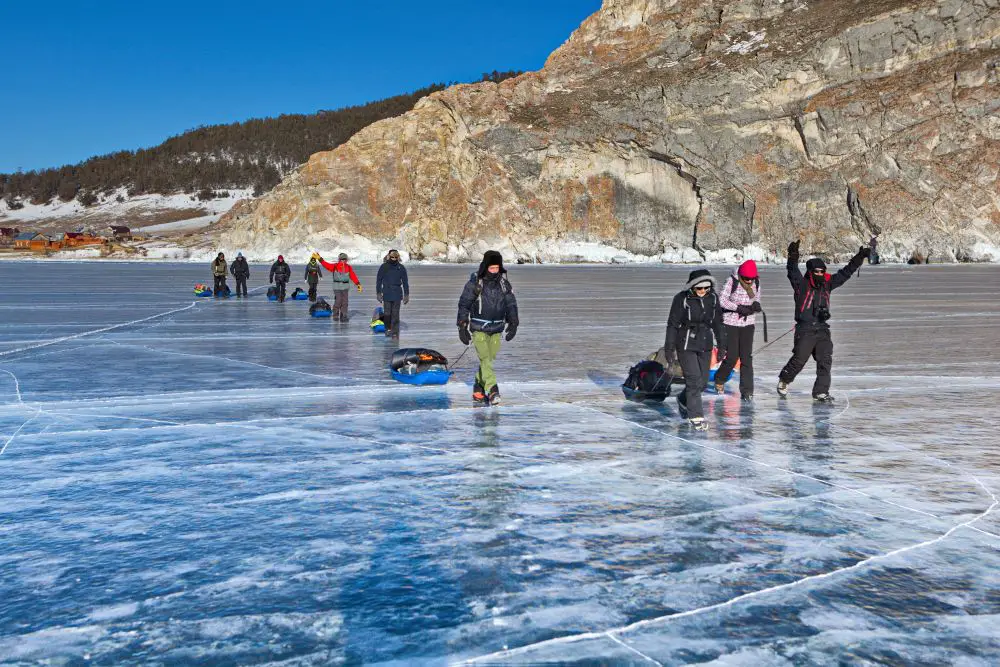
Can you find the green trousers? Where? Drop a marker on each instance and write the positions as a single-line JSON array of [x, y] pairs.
[[487, 346]]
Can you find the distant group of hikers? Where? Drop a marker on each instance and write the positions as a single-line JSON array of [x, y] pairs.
[[392, 286], [701, 317]]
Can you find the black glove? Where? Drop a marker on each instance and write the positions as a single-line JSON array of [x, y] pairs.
[[406, 299], [744, 310], [378, 297], [756, 307], [793, 248], [463, 333], [671, 356], [511, 331]]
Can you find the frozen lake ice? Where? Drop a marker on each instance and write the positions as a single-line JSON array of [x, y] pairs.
[[235, 483]]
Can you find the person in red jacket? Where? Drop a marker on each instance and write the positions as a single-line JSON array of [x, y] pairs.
[[343, 276]]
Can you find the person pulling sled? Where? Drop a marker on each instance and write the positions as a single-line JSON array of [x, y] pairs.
[[342, 275], [487, 306], [281, 273], [740, 300], [219, 271], [695, 316], [313, 274], [812, 312]]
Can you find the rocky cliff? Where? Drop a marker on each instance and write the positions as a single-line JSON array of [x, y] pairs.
[[679, 128]]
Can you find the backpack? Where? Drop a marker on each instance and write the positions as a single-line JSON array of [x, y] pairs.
[[320, 305], [646, 381]]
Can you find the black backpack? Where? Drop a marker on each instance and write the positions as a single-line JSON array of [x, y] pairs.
[[646, 381]]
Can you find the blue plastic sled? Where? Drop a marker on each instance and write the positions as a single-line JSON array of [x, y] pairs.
[[204, 293], [711, 376], [321, 313], [272, 297], [423, 377], [301, 296], [378, 328]]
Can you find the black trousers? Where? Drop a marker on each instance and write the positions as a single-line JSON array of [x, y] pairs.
[[312, 289], [811, 340], [220, 285], [280, 285], [696, 364], [391, 316], [739, 346], [241, 283]]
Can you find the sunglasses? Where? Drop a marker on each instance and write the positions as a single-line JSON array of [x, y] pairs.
[[819, 272], [701, 289]]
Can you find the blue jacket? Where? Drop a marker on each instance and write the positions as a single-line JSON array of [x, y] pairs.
[[392, 282]]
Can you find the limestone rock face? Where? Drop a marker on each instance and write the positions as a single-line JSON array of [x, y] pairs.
[[677, 128]]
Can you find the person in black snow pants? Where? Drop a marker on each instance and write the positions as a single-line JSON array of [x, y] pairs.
[[219, 268], [392, 286], [313, 274], [281, 273], [695, 315], [740, 300], [241, 271], [486, 307], [812, 311]]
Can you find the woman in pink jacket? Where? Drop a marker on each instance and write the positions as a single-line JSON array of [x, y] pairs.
[[740, 301]]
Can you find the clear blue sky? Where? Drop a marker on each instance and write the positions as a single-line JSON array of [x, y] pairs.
[[89, 77]]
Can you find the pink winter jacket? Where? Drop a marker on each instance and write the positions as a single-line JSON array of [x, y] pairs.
[[729, 298]]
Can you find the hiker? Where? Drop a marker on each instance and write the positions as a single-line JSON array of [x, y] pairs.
[[740, 300], [695, 315], [873, 257], [487, 306], [313, 274], [241, 271], [391, 287], [812, 311], [219, 271], [281, 273], [342, 275]]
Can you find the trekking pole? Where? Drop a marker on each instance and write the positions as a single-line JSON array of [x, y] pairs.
[[774, 341]]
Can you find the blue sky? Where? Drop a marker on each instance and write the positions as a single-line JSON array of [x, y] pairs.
[[94, 76]]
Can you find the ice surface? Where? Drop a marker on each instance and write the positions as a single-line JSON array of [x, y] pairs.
[[236, 483]]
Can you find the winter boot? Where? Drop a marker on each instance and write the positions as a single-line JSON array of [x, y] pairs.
[[495, 395], [823, 398], [698, 423], [782, 388], [747, 398], [478, 395]]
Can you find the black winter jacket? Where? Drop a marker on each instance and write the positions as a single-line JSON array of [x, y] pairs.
[[392, 282], [487, 303], [239, 268], [812, 297], [281, 272], [692, 321]]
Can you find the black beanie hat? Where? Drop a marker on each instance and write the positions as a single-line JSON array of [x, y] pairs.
[[815, 263], [700, 276], [491, 258]]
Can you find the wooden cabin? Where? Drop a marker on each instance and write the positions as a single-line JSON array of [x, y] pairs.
[[77, 239], [121, 233]]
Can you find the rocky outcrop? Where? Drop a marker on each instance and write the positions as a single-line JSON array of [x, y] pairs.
[[677, 128]]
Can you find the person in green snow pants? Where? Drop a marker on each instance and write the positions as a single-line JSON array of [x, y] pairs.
[[487, 307]]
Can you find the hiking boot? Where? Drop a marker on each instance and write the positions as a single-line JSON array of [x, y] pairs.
[[782, 388], [747, 398], [823, 398], [495, 395], [478, 395], [698, 423], [720, 389]]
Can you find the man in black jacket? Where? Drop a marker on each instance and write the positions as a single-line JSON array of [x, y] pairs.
[[280, 275], [486, 307], [812, 311], [695, 315], [392, 286], [241, 271]]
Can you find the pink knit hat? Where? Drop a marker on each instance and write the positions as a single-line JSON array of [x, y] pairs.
[[748, 269]]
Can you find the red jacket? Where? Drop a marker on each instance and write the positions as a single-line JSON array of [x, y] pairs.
[[340, 267]]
